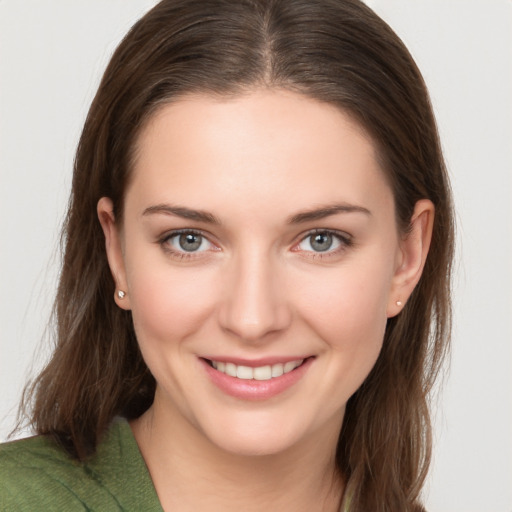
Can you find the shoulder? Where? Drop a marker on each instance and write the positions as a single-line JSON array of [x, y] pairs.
[[37, 474]]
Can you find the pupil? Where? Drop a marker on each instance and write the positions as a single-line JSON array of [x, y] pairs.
[[321, 242], [190, 242]]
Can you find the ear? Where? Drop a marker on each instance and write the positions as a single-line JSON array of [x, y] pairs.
[[411, 256], [114, 250]]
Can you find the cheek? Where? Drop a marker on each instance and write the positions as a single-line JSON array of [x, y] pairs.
[[347, 308], [168, 303]]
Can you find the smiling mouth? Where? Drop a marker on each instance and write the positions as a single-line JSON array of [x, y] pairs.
[[266, 372]]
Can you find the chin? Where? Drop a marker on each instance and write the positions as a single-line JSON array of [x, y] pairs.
[[257, 435], [254, 446]]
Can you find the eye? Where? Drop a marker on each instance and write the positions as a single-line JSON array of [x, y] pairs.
[[323, 242], [187, 242]]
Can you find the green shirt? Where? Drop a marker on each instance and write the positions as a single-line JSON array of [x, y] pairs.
[[38, 475]]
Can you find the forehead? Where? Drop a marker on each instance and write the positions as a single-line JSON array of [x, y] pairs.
[[268, 149]]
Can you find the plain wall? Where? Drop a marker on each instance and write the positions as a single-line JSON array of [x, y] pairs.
[[52, 54]]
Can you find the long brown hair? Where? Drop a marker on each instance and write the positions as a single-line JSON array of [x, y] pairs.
[[336, 51]]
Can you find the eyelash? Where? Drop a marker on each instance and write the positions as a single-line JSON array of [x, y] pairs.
[[344, 239], [164, 242]]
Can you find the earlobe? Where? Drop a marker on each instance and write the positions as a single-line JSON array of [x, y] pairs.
[[414, 249], [113, 248]]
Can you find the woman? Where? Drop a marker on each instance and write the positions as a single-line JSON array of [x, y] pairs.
[[260, 186]]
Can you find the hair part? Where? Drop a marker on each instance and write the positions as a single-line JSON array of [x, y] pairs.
[[335, 51]]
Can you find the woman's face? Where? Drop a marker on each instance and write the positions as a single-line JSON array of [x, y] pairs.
[[260, 258]]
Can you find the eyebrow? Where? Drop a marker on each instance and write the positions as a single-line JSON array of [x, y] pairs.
[[326, 211], [184, 213], [203, 216]]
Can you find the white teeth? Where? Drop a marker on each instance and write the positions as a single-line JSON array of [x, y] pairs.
[[230, 369], [263, 373], [277, 370], [258, 373], [289, 366], [244, 372]]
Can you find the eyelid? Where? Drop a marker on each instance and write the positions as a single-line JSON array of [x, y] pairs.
[[165, 237], [345, 239]]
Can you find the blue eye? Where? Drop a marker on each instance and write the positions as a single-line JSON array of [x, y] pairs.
[[188, 242], [322, 242]]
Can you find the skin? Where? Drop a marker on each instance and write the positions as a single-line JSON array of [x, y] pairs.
[[257, 288]]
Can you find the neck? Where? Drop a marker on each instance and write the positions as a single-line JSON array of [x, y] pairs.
[[190, 473]]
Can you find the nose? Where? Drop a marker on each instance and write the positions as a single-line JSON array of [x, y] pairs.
[[254, 302]]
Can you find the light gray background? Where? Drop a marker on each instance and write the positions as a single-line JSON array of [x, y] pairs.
[[52, 54]]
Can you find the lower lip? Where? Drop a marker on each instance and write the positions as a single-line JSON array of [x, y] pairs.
[[251, 389]]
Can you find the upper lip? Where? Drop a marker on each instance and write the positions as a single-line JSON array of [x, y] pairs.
[[254, 363]]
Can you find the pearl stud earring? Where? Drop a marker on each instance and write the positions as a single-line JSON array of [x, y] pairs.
[[121, 294], [398, 302]]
